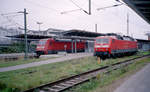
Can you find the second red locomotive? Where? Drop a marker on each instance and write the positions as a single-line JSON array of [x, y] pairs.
[[53, 46], [114, 45]]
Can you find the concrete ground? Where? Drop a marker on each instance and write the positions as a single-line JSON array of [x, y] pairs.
[[140, 82], [60, 58]]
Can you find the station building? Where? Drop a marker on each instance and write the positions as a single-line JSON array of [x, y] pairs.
[[74, 35]]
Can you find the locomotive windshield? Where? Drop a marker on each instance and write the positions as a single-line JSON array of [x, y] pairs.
[[102, 41], [42, 42]]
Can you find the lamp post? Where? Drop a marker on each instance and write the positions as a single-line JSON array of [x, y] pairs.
[[39, 23]]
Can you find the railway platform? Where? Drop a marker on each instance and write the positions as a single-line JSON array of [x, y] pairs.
[[139, 82], [58, 59]]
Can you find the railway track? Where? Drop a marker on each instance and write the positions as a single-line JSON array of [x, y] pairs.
[[15, 56], [67, 83]]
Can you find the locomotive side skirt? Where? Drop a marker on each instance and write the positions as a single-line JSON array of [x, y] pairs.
[[123, 50], [68, 51]]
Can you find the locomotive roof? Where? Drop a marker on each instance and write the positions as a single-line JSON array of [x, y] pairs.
[[119, 37]]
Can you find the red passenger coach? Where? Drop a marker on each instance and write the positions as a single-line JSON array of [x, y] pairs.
[[53, 46], [106, 46]]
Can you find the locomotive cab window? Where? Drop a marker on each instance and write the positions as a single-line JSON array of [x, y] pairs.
[[42, 42], [102, 41]]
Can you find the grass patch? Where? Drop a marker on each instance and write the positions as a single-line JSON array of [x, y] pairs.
[[21, 61], [31, 77], [103, 80]]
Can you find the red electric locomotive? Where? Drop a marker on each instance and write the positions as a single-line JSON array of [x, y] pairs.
[[53, 46], [114, 45]]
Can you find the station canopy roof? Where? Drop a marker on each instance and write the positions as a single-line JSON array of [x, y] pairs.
[[141, 7], [81, 33], [141, 40], [30, 36], [70, 34]]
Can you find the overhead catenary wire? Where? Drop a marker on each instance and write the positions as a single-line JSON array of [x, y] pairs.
[[42, 6], [81, 9], [76, 5], [10, 20], [13, 23], [109, 6], [10, 13], [120, 3], [70, 11], [15, 15], [48, 8]]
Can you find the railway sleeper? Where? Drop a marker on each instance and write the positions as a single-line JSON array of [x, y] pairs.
[[50, 89], [81, 78], [71, 82], [65, 84], [84, 78], [56, 87], [59, 86], [77, 79], [41, 91]]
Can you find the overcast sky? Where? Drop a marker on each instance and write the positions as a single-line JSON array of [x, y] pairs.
[[49, 13]]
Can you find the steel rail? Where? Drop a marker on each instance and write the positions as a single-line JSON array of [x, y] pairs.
[[67, 83]]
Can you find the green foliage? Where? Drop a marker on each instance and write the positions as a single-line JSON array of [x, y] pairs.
[[123, 70], [10, 90], [18, 47], [35, 76], [5, 50], [103, 80], [15, 48], [4, 88]]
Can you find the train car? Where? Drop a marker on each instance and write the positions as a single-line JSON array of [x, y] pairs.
[[53, 46], [106, 46]]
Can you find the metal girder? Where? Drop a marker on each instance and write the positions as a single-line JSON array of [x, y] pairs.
[[146, 12], [141, 7], [141, 2]]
